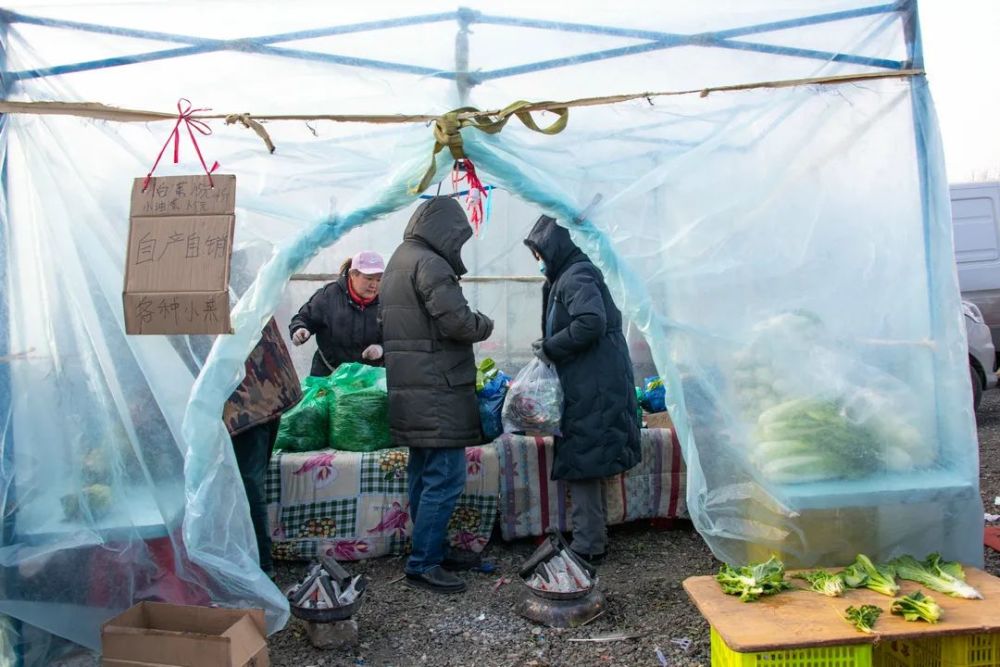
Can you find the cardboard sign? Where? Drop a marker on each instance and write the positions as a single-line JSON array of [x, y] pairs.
[[153, 634], [180, 244]]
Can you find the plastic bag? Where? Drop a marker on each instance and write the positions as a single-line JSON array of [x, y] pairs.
[[654, 396], [491, 402], [359, 410], [305, 427], [814, 410], [534, 401]]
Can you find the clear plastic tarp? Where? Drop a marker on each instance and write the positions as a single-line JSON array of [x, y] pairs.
[[783, 256]]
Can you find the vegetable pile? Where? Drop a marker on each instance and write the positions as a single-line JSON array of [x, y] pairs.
[[753, 581], [917, 607], [823, 582], [815, 413], [879, 578], [863, 618], [937, 575]]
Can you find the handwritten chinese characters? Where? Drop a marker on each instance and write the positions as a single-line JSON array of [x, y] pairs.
[[180, 244], [191, 313]]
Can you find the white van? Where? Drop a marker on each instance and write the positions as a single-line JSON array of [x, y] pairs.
[[975, 215]]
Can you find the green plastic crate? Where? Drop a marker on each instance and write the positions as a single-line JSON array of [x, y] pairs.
[[853, 655], [981, 650]]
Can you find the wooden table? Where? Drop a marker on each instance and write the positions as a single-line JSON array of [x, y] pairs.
[[804, 619]]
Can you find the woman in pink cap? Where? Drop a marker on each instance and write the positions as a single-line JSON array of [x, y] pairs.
[[343, 316]]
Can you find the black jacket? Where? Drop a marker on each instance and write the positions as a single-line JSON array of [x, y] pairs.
[[343, 329], [429, 330], [582, 329]]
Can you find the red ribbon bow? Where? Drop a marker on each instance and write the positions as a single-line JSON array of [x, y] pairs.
[[184, 115]]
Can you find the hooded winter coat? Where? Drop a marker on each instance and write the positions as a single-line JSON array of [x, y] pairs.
[[343, 328], [428, 330], [582, 331]]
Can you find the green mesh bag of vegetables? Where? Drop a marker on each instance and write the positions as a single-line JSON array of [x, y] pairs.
[[359, 409], [306, 427]]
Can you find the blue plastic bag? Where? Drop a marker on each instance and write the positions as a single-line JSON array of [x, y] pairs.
[[491, 398], [654, 395]]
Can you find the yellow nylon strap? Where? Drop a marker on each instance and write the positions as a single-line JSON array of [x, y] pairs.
[[448, 130]]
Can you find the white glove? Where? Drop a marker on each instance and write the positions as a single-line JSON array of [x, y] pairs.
[[372, 352], [300, 336]]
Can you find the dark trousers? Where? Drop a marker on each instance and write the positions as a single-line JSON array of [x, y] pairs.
[[588, 515], [253, 449]]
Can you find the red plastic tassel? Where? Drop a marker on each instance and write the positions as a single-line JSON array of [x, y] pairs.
[[477, 193]]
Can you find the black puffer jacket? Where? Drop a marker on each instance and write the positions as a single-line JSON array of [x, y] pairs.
[[429, 330], [343, 329], [584, 340]]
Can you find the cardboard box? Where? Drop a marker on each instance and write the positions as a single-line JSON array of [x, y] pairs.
[[152, 634], [180, 245]]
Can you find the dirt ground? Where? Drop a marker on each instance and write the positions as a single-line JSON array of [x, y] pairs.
[[641, 578]]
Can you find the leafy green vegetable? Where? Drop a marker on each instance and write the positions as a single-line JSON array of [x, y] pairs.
[[823, 582], [917, 607], [805, 440], [753, 581], [864, 617], [932, 575], [854, 576], [485, 371], [879, 578]]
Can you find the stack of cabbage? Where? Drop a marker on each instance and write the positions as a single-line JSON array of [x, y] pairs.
[[814, 412]]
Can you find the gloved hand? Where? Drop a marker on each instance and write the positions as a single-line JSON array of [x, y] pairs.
[[372, 353], [538, 349], [300, 336]]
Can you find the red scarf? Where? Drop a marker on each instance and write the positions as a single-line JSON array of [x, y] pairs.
[[362, 302]]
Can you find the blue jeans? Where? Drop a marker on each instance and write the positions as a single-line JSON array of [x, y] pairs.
[[436, 478]]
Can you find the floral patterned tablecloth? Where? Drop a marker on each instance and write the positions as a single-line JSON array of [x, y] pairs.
[[354, 505]]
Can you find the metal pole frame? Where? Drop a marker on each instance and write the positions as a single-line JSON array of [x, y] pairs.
[[655, 41]]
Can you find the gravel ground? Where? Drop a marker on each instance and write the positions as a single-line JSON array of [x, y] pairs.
[[400, 626]]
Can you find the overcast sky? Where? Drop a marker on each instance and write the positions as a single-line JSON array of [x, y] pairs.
[[960, 53]]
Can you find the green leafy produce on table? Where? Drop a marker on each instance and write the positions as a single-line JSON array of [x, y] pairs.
[[863, 617], [937, 575], [823, 582], [750, 582], [815, 413], [359, 409], [879, 578], [306, 427], [917, 607]]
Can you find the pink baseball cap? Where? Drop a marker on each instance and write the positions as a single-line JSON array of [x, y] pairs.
[[368, 262]]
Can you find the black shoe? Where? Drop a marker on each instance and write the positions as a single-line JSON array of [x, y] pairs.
[[436, 580], [593, 559]]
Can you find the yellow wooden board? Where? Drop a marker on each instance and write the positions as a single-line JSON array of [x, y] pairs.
[[802, 618]]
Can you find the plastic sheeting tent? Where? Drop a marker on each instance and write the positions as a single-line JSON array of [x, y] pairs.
[[784, 252]]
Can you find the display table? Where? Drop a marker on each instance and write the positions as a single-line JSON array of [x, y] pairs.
[[354, 505], [531, 502], [803, 619]]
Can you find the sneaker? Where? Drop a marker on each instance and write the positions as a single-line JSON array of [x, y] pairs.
[[436, 580]]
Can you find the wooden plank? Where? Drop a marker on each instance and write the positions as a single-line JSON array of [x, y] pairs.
[[804, 619]]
